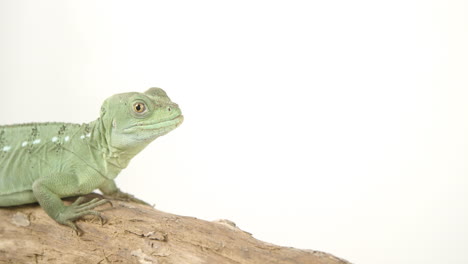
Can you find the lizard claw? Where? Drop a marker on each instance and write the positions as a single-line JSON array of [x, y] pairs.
[[75, 228]]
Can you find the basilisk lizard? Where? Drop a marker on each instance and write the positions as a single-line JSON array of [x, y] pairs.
[[44, 162]]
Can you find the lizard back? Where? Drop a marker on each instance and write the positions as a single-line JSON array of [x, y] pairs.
[[32, 150]]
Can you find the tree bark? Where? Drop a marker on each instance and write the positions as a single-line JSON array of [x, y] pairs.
[[137, 233]]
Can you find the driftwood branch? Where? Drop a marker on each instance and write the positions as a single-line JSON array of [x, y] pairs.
[[136, 233]]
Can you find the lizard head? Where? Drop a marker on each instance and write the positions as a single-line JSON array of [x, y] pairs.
[[132, 120]]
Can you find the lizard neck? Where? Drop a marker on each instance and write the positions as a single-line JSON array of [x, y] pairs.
[[115, 159]]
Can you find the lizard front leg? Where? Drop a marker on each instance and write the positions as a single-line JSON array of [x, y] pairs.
[[45, 191], [109, 188]]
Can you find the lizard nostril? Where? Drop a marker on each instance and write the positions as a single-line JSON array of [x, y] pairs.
[[169, 109]]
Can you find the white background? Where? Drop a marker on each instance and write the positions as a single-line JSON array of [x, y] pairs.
[[339, 126]]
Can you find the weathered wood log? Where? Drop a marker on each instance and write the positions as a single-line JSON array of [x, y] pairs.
[[136, 233]]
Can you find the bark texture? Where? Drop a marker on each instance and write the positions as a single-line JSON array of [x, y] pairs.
[[136, 233]]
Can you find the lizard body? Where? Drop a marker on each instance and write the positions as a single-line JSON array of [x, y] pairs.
[[43, 162]]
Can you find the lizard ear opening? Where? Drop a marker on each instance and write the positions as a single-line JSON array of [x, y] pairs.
[[157, 92]]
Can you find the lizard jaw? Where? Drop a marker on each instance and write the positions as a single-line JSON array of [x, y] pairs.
[[164, 126]]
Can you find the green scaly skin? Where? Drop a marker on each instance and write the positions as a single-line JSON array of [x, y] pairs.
[[44, 162]]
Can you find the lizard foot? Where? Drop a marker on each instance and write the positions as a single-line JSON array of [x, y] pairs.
[[78, 209]]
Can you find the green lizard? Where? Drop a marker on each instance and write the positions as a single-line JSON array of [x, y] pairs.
[[44, 162]]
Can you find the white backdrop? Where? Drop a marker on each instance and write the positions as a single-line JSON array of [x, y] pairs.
[[339, 126]]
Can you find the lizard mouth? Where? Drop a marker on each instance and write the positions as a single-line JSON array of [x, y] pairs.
[[163, 126]]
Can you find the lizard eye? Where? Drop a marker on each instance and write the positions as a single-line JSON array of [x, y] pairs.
[[139, 108]]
